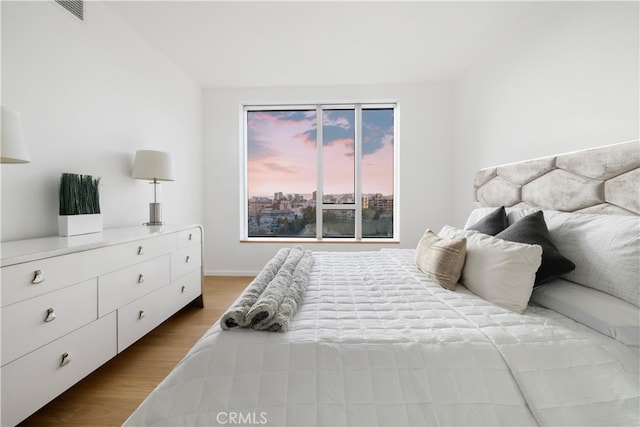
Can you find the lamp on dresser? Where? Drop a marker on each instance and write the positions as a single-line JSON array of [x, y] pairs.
[[154, 166], [14, 148]]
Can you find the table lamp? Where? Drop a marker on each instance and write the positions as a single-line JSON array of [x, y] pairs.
[[154, 166]]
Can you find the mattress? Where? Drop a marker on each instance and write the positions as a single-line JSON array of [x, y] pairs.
[[377, 343]]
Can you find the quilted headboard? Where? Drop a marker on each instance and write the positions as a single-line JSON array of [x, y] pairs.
[[603, 180]]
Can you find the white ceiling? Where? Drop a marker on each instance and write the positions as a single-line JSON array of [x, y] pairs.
[[305, 43]]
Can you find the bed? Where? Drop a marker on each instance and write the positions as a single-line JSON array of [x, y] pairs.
[[379, 339]]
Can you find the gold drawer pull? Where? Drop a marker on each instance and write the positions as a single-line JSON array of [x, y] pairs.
[[184, 288], [141, 315], [37, 277], [51, 315], [190, 236], [140, 250], [140, 278], [66, 358], [187, 259]]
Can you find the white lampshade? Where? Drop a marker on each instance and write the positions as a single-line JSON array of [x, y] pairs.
[[153, 165], [14, 147]]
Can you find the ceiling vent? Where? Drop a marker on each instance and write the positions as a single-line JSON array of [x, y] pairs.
[[75, 7]]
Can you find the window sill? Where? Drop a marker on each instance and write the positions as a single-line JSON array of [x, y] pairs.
[[319, 241]]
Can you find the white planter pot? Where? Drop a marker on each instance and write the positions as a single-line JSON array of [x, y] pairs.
[[72, 225]]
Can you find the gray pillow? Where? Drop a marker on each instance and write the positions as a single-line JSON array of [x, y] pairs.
[[532, 229], [492, 223]]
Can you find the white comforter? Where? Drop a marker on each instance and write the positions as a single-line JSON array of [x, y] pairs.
[[376, 343]]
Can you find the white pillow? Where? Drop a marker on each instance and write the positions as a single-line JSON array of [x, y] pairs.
[[605, 249], [497, 270], [601, 312]]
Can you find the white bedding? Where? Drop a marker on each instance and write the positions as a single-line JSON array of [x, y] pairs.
[[376, 343]]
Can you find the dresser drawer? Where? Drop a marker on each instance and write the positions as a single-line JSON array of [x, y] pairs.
[[118, 288], [35, 322], [30, 279], [33, 380], [137, 318], [98, 262], [185, 260], [179, 293], [189, 237]]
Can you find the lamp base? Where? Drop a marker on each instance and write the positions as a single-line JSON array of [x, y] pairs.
[[155, 214]]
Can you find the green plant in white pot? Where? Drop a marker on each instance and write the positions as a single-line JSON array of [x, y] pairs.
[[79, 205]]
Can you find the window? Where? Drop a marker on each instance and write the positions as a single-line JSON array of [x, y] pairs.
[[320, 172]]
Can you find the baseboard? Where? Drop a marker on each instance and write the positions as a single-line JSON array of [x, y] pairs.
[[231, 273]]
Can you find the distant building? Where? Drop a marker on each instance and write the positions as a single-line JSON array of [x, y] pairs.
[[284, 204], [378, 202], [272, 215], [257, 204]]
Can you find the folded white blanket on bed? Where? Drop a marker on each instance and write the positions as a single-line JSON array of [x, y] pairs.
[[273, 297], [236, 315], [282, 297]]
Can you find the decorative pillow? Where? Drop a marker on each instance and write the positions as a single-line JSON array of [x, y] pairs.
[[441, 259], [476, 215], [491, 224], [497, 270], [601, 312], [605, 249], [532, 229], [514, 213]]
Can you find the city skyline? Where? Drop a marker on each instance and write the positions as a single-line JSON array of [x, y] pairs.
[[281, 152], [296, 214], [309, 195]]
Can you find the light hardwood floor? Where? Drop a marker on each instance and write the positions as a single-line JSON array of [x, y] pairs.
[[112, 392]]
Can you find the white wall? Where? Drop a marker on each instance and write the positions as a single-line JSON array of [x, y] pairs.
[[92, 93], [425, 158], [570, 85]]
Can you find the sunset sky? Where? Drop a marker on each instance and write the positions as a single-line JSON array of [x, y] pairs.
[[281, 151]]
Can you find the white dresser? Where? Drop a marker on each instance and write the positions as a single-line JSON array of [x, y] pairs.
[[69, 304]]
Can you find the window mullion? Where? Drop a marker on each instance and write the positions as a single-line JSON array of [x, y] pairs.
[[339, 207], [358, 172], [319, 173], [244, 198]]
